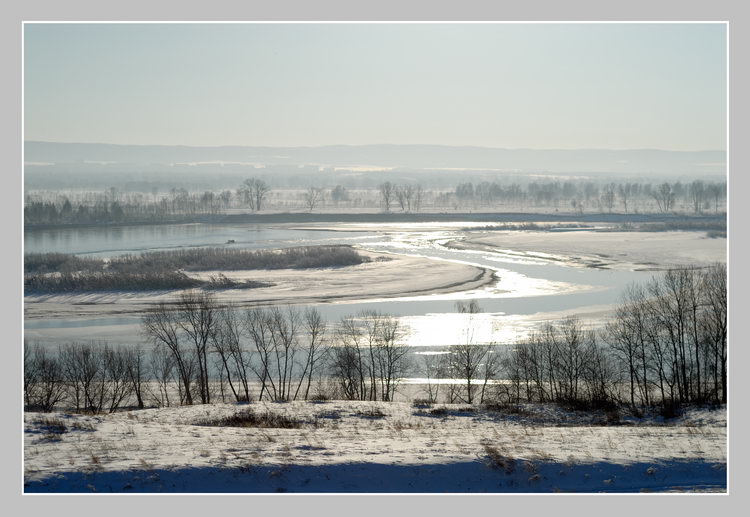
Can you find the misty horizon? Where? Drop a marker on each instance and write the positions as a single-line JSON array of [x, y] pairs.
[[380, 144], [650, 162]]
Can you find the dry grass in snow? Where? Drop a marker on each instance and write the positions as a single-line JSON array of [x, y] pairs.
[[371, 447]]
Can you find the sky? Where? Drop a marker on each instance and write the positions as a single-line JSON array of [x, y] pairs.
[[538, 86]]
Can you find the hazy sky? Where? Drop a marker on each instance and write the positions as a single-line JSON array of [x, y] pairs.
[[614, 86]]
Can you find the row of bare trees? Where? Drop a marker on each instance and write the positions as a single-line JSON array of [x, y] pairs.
[[368, 360], [563, 363], [697, 196], [114, 206], [666, 344], [203, 351], [409, 197], [281, 348], [93, 377], [671, 337]]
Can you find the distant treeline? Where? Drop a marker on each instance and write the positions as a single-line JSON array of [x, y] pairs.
[[588, 196], [572, 196], [59, 272]]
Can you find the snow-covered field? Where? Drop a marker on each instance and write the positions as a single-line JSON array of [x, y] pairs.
[[360, 447]]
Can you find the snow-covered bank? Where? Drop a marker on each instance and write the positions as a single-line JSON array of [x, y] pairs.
[[373, 447], [616, 250]]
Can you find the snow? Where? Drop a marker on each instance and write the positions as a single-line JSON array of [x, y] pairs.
[[340, 447], [617, 250]]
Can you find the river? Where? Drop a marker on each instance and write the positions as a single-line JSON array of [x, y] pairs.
[[528, 290]]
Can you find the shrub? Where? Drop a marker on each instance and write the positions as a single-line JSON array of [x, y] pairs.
[[497, 460], [670, 410], [111, 281], [51, 425], [248, 418], [370, 413]]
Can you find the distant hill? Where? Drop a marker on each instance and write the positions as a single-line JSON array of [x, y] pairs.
[[637, 161]]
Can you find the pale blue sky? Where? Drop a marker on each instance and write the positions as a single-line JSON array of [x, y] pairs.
[[617, 86]]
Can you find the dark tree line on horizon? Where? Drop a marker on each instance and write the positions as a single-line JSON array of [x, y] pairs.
[[255, 195]]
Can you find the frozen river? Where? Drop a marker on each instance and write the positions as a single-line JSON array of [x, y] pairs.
[[528, 289]]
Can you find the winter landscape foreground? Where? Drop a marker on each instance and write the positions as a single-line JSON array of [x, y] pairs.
[[356, 447]]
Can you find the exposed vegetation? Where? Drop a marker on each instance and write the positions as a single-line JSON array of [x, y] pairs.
[[222, 259], [198, 259], [249, 418], [59, 262], [71, 282], [58, 272], [712, 227]]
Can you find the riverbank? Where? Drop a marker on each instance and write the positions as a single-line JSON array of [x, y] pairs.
[[398, 217]]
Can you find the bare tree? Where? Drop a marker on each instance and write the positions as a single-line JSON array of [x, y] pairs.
[[387, 192], [402, 197], [135, 360], [628, 336], [417, 198], [390, 358], [83, 374], [234, 359], [162, 367], [697, 194], [432, 369], [368, 360], [608, 197], [30, 374], [258, 329], [572, 357], [275, 335], [664, 196], [716, 191], [117, 385], [714, 323], [43, 379], [315, 327], [197, 317], [313, 196], [221, 339], [623, 189], [162, 326], [254, 191], [468, 361]]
